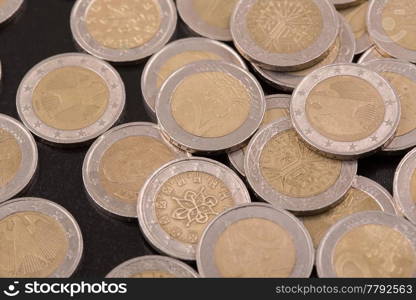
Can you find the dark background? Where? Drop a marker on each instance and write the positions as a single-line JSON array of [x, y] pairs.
[[42, 30]]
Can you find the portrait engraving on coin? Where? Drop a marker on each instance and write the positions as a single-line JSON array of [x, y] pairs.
[[216, 13], [153, 274], [10, 157], [356, 18]]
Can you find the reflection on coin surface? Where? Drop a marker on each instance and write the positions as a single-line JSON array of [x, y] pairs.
[[371, 54], [180, 199], [8, 8], [39, 239], [255, 240]]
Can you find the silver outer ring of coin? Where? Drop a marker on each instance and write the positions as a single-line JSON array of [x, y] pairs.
[[153, 263], [29, 161], [9, 8], [91, 165], [284, 62], [156, 62], [84, 39], [300, 206], [117, 98], [345, 150], [370, 55], [63, 217], [236, 158], [288, 81], [405, 69], [148, 221], [301, 238], [325, 252], [346, 3], [193, 143]]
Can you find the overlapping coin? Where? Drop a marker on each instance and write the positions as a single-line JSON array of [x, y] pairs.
[[8, 8], [371, 54]]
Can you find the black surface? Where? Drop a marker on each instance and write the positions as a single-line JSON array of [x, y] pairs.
[[40, 31]]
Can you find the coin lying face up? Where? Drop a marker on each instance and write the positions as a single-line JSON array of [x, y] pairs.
[[345, 111], [123, 31], [153, 266], [284, 172], [255, 241], [70, 98], [8, 8], [368, 245], [180, 199], [38, 239], [120, 161], [210, 106], [371, 54]]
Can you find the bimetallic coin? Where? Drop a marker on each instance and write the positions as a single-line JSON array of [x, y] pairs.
[[255, 241], [123, 31], [210, 106], [371, 54], [70, 98], [181, 198], [284, 35], [368, 245], [346, 3], [176, 55], [39, 239], [153, 266], [8, 8], [284, 172], [345, 111]]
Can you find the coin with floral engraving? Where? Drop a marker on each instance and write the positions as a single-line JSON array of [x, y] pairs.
[[368, 244], [70, 98], [181, 198], [153, 266], [255, 241], [39, 239], [346, 3], [371, 54], [123, 31], [8, 8]]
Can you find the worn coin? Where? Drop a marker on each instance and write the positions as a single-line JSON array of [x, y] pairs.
[[8, 8], [346, 3], [371, 54]]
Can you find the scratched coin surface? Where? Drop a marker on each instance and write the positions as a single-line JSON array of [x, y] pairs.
[[255, 241], [38, 239], [368, 245], [153, 266], [284, 172], [8, 8], [177, 55], [70, 98], [123, 31], [181, 198], [371, 54]]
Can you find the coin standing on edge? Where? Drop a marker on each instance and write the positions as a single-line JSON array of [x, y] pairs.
[[181, 198], [70, 98], [210, 106], [8, 8], [346, 3], [176, 55], [123, 31], [153, 266], [371, 54], [255, 241], [39, 239], [368, 245]]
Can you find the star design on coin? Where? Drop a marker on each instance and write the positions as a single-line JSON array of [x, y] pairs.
[[114, 86], [104, 70], [390, 102], [298, 112], [380, 83], [353, 147], [40, 72], [328, 144], [60, 62], [337, 70], [360, 72], [308, 131], [57, 134], [315, 77], [374, 138], [28, 88], [83, 61], [38, 124], [26, 107], [115, 105], [101, 123], [301, 93], [389, 122], [82, 133]]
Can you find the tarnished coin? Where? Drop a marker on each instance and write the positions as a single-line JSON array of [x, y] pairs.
[[368, 245], [364, 195], [210, 106], [255, 241], [277, 107], [284, 35], [38, 239], [181, 198], [284, 172], [371, 54], [8, 8], [123, 31], [18, 157], [345, 111], [120, 161], [176, 55], [70, 98], [346, 3], [153, 266]]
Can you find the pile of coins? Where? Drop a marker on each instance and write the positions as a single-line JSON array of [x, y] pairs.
[[291, 190]]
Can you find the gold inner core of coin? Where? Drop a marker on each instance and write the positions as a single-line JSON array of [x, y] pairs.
[[187, 202], [10, 157], [356, 18], [284, 26], [413, 186], [345, 108], [153, 274], [295, 171], [210, 104], [70, 98], [2, 2], [129, 162], [398, 22], [374, 251], [256, 248], [123, 24], [216, 13], [354, 201], [32, 245]]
